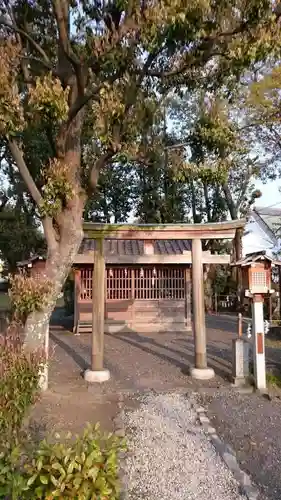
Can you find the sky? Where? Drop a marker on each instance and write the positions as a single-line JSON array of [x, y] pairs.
[[271, 196]]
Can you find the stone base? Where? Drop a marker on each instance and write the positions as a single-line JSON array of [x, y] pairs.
[[43, 377], [202, 373], [239, 381], [92, 376]]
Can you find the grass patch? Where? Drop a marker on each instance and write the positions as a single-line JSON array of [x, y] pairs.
[[5, 302], [275, 343], [274, 380]]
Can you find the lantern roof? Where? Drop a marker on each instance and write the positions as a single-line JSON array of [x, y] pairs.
[[251, 258]]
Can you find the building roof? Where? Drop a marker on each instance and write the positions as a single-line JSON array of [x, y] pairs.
[[270, 219], [136, 247], [114, 249], [31, 260]]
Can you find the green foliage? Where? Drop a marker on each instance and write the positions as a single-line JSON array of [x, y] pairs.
[[273, 380], [262, 103], [28, 294], [160, 191], [11, 113], [221, 170], [19, 379], [82, 469], [48, 99], [208, 174], [264, 97], [102, 80], [58, 190], [19, 236], [115, 194]]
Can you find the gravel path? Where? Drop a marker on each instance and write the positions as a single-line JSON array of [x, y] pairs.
[[171, 457]]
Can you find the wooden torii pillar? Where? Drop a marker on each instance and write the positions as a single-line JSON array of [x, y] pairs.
[[97, 372], [200, 369], [194, 232]]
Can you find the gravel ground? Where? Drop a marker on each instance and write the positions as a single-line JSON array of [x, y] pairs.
[[252, 426], [171, 457]]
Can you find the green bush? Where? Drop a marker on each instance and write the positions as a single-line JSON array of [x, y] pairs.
[[19, 380], [83, 469]]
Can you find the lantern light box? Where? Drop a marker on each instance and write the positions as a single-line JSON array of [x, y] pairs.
[[256, 272]]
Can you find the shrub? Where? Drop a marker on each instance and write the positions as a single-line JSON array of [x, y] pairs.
[[28, 294], [19, 380], [83, 469]]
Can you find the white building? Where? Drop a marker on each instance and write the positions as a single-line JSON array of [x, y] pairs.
[[263, 231]]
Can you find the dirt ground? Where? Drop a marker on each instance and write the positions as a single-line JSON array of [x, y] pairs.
[[160, 362], [137, 363]]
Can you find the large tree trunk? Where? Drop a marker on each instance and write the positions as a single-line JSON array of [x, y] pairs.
[[58, 265]]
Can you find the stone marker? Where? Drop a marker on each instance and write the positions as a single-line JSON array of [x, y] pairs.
[[240, 362]]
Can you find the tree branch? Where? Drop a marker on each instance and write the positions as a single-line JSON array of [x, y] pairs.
[[29, 38], [81, 101], [244, 188], [229, 201], [34, 191], [19, 160], [61, 13], [40, 61], [102, 160]]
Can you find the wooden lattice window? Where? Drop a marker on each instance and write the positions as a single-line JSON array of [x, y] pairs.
[[159, 283], [86, 284], [119, 283], [146, 283]]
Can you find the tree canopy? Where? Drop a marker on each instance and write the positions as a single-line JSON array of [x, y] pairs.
[[92, 75]]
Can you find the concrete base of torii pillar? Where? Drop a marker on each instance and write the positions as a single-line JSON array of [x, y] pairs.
[[99, 376], [202, 373]]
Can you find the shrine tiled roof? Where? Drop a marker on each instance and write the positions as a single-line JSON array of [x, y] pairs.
[[136, 247]]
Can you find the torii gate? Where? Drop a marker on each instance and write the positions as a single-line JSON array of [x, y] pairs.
[[194, 232]]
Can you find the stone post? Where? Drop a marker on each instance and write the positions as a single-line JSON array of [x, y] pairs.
[[240, 361], [258, 342]]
